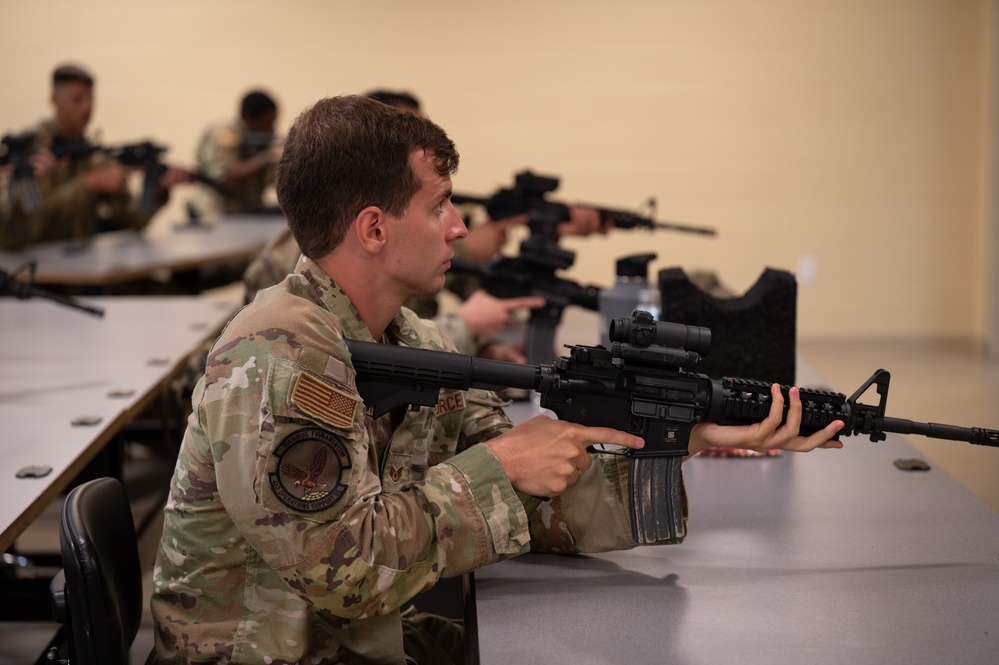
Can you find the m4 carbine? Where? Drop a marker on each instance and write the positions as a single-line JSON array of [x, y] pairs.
[[533, 271], [527, 196], [144, 155], [642, 384]]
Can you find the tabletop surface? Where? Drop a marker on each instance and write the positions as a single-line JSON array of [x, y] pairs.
[[69, 381], [126, 255]]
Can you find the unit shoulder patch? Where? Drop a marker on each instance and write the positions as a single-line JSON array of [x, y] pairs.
[[310, 467]]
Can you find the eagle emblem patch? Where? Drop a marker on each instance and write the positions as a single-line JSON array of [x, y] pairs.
[[310, 470]]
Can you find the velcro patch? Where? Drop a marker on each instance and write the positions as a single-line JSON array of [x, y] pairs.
[[310, 469], [324, 402]]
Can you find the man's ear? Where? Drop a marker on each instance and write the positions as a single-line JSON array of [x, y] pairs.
[[369, 227]]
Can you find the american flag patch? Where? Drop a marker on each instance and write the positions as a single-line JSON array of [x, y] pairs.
[[319, 400]]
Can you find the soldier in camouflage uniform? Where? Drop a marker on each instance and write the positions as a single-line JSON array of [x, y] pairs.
[[83, 195], [298, 527], [239, 156]]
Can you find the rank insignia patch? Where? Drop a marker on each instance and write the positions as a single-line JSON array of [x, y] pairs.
[[319, 400], [310, 470]]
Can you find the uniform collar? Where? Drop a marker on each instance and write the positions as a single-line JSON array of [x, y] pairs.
[[328, 293]]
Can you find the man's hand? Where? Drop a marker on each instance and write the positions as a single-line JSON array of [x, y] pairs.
[[107, 179], [583, 221], [544, 457], [174, 175], [42, 162], [486, 316], [487, 238], [767, 434], [506, 351]]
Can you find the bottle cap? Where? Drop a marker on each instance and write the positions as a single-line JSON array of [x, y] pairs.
[[636, 265]]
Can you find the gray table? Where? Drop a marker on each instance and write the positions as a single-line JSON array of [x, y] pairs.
[[835, 556], [58, 364], [121, 256]]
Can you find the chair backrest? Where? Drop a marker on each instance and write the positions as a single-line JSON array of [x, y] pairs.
[[753, 336], [100, 599]]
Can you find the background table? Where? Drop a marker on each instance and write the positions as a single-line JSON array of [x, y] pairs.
[[833, 556], [58, 364], [121, 256]]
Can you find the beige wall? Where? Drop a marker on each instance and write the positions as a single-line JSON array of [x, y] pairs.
[[852, 136]]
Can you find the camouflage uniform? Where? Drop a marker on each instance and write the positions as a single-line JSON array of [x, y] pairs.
[[69, 211], [281, 254], [221, 147], [297, 526]]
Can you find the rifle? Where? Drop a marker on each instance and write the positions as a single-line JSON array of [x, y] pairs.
[[532, 272], [527, 196], [642, 384], [145, 155], [16, 149], [24, 289]]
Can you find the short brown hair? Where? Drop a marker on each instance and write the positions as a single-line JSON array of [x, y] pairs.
[[71, 74], [344, 154]]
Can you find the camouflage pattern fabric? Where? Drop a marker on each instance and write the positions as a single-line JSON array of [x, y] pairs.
[[220, 148], [69, 211], [298, 527]]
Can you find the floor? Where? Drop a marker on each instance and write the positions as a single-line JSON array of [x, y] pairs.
[[949, 383]]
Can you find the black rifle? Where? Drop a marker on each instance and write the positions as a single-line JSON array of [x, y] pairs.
[[527, 196], [144, 155], [16, 149], [24, 289], [643, 385], [533, 274], [533, 271]]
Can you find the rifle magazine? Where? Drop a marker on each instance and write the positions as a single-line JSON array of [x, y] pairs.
[[656, 499]]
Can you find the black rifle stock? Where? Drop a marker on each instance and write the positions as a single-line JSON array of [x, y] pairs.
[[642, 385]]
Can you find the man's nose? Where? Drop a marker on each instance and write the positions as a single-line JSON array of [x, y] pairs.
[[456, 225]]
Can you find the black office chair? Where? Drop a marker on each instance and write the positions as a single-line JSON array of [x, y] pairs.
[[98, 593]]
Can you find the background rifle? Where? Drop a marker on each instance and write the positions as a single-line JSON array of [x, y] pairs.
[[144, 155], [16, 149], [532, 272], [24, 289], [527, 196], [643, 385]]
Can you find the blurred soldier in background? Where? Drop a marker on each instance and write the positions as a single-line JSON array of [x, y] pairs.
[[85, 191], [239, 156]]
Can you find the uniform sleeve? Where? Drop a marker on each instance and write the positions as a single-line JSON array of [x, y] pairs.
[[303, 484], [218, 152]]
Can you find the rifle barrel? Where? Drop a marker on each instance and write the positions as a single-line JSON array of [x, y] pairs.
[[976, 435]]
